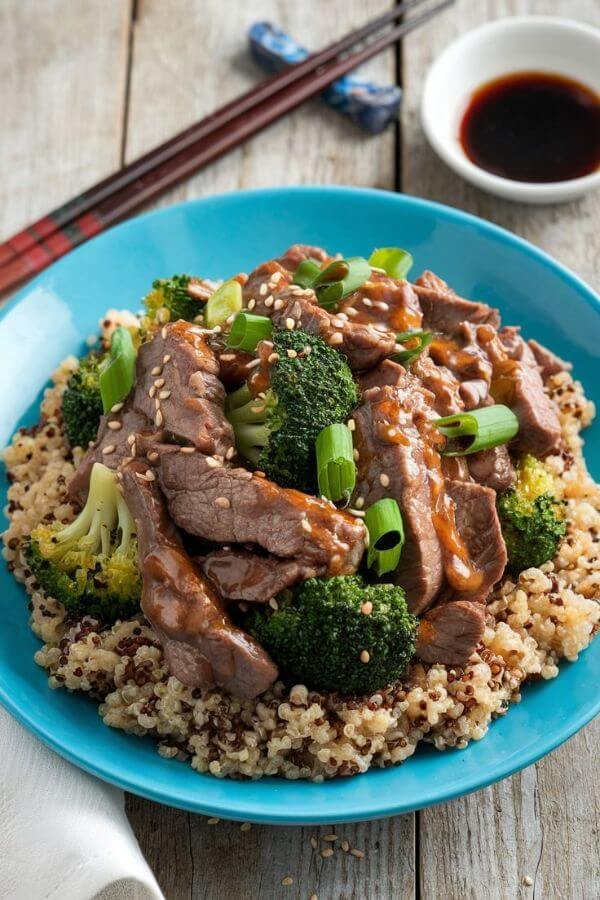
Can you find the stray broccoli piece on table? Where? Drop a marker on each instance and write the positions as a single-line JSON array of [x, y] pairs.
[[91, 565], [531, 517], [82, 402], [339, 634], [172, 294], [307, 393]]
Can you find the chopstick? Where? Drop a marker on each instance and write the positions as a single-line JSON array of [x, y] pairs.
[[111, 200]]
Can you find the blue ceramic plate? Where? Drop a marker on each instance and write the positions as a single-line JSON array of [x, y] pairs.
[[52, 316]]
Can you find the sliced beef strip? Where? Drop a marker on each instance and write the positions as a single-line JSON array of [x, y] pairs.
[[444, 310], [548, 362], [517, 382], [232, 505], [493, 468], [113, 444], [463, 356], [297, 253], [201, 644], [391, 464], [177, 386], [478, 524], [235, 366], [442, 383], [449, 633], [386, 303], [263, 283], [243, 575]]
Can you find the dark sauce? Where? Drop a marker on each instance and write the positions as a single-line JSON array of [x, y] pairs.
[[533, 126]]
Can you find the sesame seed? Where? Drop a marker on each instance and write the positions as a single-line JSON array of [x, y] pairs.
[[223, 502], [115, 425], [152, 391], [163, 332], [292, 354], [166, 358], [212, 462], [275, 277], [152, 456], [367, 608], [356, 455], [158, 418], [187, 449], [230, 453], [351, 424], [365, 656], [116, 408], [157, 403], [216, 330], [367, 302], [251, 303], [229, 319], [245, 826], [384, 480], [133, 450], [359, 502], [130, 439], [273, 357], [528, 880], [259, 473], [306, 525], [337, 322], [307, 350], [327, 852], [287, 881], [256, 409], [164, 395], [159, 382], [350, 311], [269, 301], [357, 853], [150, 476], [358, 513], [313, 897], [110, 448], [227, 357], [313, 842], [157, 370], [345, 846], [263, 289], [290, 324], [336, 338], [253, 363], [212, 821], [273, 603], [330, 838], [381, 304], [278, 303]]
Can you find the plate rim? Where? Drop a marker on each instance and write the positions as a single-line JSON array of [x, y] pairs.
[[242, 811]]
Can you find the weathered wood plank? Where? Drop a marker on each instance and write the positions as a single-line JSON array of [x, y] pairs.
[[543, 822], [63, 70]]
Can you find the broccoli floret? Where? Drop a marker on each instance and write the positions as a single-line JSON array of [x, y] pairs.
[[91, 565], [82, 403], [308, 391], [171, 295], [319, 634], [531, 517]]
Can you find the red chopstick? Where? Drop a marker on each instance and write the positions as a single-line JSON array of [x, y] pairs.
[[111, 200]]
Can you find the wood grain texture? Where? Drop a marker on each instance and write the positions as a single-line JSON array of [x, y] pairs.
[[63, 69]]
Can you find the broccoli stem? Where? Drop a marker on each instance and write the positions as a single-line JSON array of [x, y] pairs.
[[248, 415]]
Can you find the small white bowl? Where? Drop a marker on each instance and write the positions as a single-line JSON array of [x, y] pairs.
[[502, 47]]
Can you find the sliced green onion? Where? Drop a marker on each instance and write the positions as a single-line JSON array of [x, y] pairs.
[[247, 330], [336, 471], [340, 278], [395, 262], [422, 338], [479, 429], [118, 375], [386, 535], [306, 273], [225, 302]]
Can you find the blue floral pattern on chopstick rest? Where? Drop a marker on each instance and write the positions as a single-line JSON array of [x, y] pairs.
[[370, 105]]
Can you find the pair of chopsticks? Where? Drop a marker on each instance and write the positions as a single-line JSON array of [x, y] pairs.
[[112, 199]]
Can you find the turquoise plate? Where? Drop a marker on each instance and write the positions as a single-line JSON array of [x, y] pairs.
[[217, 236]]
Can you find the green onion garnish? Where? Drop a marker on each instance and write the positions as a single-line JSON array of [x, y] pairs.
[[340, 278], [395, 262], [306, 273], [248, 330], [386, 535], [479, 429], [225, 302], [117, 377], [336, 471], [418, 341]]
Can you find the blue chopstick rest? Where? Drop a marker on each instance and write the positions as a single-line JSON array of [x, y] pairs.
[[370, 105]]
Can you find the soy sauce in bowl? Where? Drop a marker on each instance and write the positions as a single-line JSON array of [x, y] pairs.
[[533, 127]]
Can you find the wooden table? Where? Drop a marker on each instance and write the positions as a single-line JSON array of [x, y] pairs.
[[88, 85]]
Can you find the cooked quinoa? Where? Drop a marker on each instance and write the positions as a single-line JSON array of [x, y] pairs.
[[533, 622]]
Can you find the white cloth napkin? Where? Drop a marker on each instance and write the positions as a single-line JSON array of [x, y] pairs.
[[64, 835]]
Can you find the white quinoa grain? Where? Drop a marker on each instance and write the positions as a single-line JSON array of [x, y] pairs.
[[273, 357], [365, 656], [367, 608], [292, 354]]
